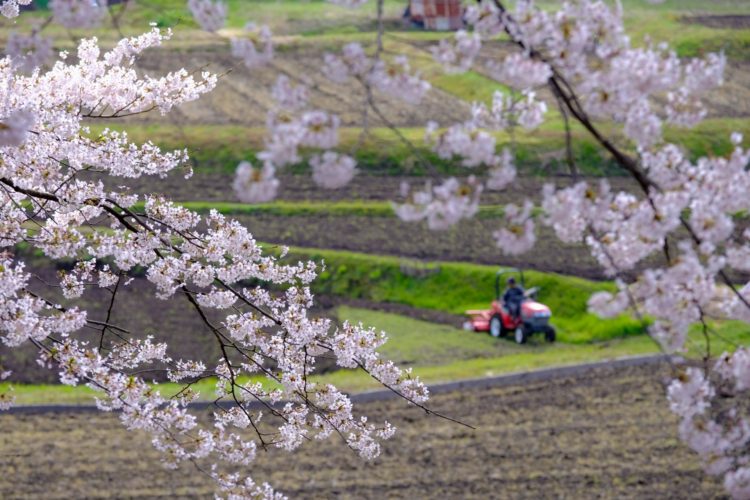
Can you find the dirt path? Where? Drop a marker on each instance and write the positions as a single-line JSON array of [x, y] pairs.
[[607, 434]]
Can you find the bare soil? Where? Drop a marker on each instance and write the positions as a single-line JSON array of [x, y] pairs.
[[217, 186], [605, 434], [177, 323], [471, 241], [243, 96], [174, 321], [729, 21]]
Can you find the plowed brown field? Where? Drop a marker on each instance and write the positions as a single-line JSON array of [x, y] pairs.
[[605, 434]]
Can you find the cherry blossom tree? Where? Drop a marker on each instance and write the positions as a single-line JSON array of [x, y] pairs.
[[54, 200], [576, 59], [581, 55], [685, 211]]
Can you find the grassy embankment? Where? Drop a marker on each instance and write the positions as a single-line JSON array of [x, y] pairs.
[[455, 287], [217, 149], [348, 208]]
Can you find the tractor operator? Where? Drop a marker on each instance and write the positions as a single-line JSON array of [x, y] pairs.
[[513, 297]]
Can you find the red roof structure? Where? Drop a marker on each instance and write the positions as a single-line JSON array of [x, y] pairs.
[[439, 15]]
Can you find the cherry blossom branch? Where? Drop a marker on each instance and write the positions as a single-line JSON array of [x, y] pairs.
[[568, 138], [109, 309]]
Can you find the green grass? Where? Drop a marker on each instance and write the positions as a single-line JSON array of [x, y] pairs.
[[664, 23], [219, 148], [307, 208], [527, 358], [438, 354], [419, 343], [455, 287]]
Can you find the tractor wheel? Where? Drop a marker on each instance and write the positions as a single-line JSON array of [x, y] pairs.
[[496, 326], [549, 334], [521, 335]]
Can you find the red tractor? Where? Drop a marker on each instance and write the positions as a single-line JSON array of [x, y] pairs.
[[533, 318]]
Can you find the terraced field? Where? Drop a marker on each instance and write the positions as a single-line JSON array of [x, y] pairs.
[[605, 434]]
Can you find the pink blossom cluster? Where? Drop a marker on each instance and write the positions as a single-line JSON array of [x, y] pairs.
[[473, 141], [211, 15], [289, 96], [292, 127], [393, 78], [332, 170], [453, 201], [586, 44], [518, 236], [509, 110], [44, 150], [717, 432], [441, 206], [78, 14], [475, 146], [255, 184], [520, 72], [10, 8], [459, 57], [245, 49], [29, 52], [503, 173], [485, 18], [15, 126]]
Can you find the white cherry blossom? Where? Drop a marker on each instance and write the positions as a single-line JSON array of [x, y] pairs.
[[442, 206], [503, 173], [29, 52], [209, 14], [459, 57], [10, 8], [520, 72], [332, 170], [78, 14], [519, 234], [245, 48], [15, 127], [255, 185]]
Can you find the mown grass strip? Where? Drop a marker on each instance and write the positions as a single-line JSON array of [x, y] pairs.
[[358, 381], [312, 208], [429, 349], [533, 356]]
